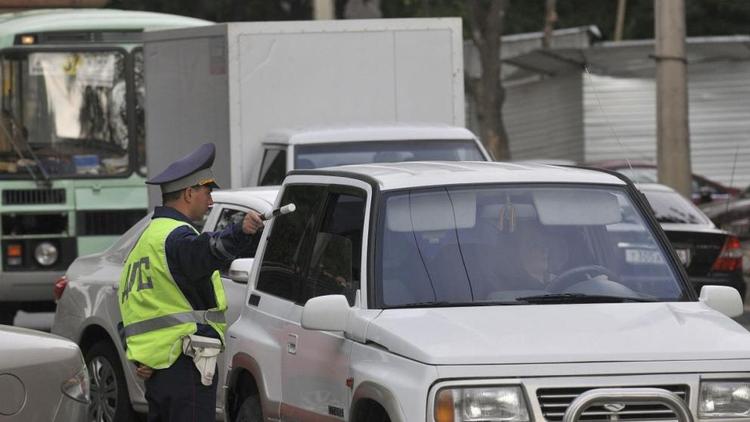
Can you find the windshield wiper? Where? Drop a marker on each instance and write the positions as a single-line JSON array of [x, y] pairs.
[[446, 304], [580, 298]]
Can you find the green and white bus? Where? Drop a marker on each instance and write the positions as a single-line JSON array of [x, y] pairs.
[[72, 153]]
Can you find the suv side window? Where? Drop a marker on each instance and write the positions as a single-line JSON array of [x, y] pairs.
[[290, 242], [234, 216], [336, 256], [273, 168]]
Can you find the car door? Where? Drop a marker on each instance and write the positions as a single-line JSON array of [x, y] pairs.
[[262, 331], [316, 364]]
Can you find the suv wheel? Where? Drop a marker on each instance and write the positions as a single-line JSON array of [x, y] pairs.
[[109, 391], [250, 410]]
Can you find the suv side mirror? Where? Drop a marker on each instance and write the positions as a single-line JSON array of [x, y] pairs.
[[326, 313], [724, 299], [239, 270]]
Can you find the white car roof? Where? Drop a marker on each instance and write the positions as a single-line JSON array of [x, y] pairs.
[[248, 197], [402, 175], [366, 133]]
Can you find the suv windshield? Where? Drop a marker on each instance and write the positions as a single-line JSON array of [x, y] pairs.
[[63, 114], [339, 154], [518, 245]]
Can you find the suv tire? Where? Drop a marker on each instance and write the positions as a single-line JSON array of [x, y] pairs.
[[250, 411], [109, 391]]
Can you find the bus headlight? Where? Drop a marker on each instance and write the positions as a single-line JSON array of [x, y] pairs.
[[506, 404], [724, 399], [45, 254]]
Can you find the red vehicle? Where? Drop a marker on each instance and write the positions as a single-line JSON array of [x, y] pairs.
[[704, 190]]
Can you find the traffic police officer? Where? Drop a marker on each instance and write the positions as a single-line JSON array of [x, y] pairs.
[[171, 297]]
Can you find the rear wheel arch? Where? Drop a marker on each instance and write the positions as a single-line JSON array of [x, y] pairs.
[[92, 335]]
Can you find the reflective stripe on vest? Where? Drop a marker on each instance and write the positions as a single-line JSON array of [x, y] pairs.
[[201, 317]]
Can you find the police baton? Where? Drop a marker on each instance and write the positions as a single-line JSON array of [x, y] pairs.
[[286, 209]]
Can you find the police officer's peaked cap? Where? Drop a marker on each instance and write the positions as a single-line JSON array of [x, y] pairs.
[[191, 170]]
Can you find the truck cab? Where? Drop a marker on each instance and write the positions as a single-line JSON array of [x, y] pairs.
[[285, 150]]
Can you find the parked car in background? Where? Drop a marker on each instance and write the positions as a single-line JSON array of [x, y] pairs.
[[711, 256], [703, 190], [42, 377], [88, 313], [732, 215]]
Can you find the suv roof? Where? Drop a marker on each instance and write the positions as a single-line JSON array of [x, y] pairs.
[[389, 176], [299, 136]]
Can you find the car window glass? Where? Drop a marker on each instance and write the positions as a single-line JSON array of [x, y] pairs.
[[335, 262], [228, 217], [670, 207], [290, 242], [489, 244], [273, 168]]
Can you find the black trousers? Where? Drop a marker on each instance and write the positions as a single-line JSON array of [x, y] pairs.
[[176, 394]]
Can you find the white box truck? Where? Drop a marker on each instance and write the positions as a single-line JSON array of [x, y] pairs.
[[286, 91]]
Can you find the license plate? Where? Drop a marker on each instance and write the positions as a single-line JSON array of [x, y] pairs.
[[643, 256]]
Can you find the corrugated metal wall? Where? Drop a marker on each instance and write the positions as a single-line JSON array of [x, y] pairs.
[[544, 119], [719, 119]]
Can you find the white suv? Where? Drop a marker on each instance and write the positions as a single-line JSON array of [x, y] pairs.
[[478, 292]]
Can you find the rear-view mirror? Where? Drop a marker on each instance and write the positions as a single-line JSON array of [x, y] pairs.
[[724, 299], [326, 313], [239, 270]]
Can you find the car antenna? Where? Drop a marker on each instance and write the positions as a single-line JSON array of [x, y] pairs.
[[606, 118]]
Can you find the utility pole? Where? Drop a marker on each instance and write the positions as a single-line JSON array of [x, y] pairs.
[[672, 130], [550, 19], [620, 22], [323, 10]]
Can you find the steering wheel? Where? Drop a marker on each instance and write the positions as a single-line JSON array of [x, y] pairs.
[[578, 274]]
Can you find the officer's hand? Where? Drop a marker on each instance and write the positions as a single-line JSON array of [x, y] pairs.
[[143, 371], [252, 223]]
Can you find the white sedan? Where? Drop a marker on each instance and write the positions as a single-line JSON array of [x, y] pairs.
[[88, 313]]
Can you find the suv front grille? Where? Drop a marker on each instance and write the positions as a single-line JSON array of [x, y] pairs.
[[555, 401], [33, 196]]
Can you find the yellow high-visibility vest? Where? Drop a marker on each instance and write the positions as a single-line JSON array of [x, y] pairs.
[[155, 312]]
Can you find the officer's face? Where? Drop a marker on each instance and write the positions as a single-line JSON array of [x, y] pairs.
[[201, 200]]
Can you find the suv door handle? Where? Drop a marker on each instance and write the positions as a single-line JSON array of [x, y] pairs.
[[291, 344]]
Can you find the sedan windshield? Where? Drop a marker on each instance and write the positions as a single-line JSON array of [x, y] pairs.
[[63, 114], [339, 154], [518, 245], [671, 207]]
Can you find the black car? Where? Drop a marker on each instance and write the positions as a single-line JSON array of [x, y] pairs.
[[710, 255], [732, 215]]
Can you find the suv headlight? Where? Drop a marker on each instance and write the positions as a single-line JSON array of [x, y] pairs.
[[77, 386], [724, 399], [481, 404]]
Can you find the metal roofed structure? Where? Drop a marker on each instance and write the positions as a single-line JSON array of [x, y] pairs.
[[630, 58], [366, 133], [392, 176], [587, 101]]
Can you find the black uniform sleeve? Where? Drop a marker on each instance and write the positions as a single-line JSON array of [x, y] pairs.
[[193, 257]]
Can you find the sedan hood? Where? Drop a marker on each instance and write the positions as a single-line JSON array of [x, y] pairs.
[[528, 334]]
